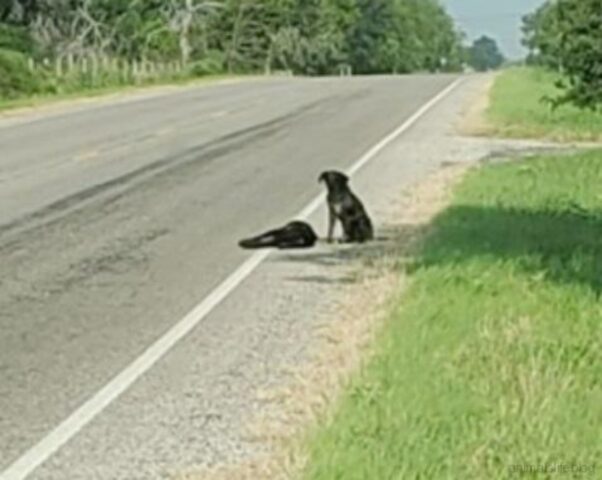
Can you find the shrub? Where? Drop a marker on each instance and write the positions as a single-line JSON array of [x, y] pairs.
[[14, 38], [211, 64], [15, 77]]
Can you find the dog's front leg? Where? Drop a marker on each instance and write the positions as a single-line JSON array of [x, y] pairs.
[[331, 223]]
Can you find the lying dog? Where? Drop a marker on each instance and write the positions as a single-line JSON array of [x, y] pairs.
[[344, 206], [292, 235]]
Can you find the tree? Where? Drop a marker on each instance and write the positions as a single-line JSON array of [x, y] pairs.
[[183, 17], [312, 37], [541, 36], [369, 33], [484, 54], [567, 36]]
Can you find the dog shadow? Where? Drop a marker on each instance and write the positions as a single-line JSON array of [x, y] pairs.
[[388, 252]]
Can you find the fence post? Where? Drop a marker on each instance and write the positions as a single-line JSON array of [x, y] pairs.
[[94, 60], [125, 71], [58, 66], [70, 62], [152, 70], [143, 67], [135, 71]]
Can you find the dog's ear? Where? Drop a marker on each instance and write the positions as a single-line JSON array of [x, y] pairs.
[[322, 177], [341, 177]]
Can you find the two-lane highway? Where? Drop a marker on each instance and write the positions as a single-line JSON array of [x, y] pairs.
[[117, 219]]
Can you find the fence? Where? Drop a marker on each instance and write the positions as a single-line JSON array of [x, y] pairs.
[[95, 71], [98, 71]]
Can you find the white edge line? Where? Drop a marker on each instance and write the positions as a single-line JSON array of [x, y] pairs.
[[74, 423]]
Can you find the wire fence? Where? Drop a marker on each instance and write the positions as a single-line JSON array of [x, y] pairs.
[[97, 71]]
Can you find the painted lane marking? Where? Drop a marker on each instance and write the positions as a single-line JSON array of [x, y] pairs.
[[164, 131], [87, 155], [219, 114]]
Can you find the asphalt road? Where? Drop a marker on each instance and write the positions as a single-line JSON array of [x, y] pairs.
[[116, 220]]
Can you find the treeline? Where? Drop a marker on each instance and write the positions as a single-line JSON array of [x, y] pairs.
[[311, 37], [566, 36]]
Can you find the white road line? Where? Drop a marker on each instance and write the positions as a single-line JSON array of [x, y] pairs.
[[221, 113], [87, 155], [73, 424], [164, 131]]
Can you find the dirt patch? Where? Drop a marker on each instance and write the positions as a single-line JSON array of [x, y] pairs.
[[341, 344], [474, 120]]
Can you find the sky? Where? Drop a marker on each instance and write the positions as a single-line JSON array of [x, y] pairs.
[[499, 19]]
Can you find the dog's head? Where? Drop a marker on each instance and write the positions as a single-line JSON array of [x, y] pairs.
[[334, 180]]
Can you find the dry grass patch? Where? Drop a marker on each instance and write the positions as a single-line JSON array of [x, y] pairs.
[[474, 121]]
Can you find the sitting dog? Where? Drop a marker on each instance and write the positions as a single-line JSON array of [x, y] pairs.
[[344, 206], [293, 235]]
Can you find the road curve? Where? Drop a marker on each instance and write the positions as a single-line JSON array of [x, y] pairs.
[[115, 220]]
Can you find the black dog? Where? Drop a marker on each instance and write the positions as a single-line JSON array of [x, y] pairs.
[[292, 235], [344, 206]]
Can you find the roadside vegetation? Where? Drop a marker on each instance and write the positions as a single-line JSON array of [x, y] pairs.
[[564, 36], [518, 109], [489, 363], [62, 46], [560, 96], [75, 91]]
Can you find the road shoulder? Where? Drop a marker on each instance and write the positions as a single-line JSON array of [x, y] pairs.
[[39, 108]]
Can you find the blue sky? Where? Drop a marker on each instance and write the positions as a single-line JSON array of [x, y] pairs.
[[498, 19]]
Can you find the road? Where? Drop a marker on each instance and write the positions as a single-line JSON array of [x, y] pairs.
[[117, 219]]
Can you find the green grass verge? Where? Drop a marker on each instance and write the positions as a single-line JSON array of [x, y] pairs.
[[48, 99], [490, 364], [517, 110]]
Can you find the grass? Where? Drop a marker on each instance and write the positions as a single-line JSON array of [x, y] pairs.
[[516, 109], [490, 366], [48, 99]]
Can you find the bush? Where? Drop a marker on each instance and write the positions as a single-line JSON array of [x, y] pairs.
[[14, 38], [212, 64], [15, 77]]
